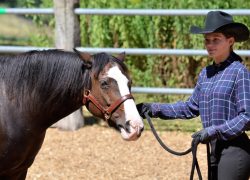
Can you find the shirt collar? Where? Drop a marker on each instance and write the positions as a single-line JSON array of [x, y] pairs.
[[215, 68], [231, 58]]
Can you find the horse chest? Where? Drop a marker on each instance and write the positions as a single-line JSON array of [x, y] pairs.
[[18, 152]]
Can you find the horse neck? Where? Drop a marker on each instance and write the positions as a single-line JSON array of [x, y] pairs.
[[45, 96], [57, 106]]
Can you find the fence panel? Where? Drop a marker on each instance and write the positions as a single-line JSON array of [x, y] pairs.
[[130, 51]]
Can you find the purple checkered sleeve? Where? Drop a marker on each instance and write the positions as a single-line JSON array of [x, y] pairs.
[[179, 110]]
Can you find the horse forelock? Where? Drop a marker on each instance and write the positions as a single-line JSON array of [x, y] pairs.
[[100, 60]]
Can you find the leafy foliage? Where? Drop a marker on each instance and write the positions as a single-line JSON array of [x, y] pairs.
[[144, 32], [170, 32], [43, 39], [166, 32]]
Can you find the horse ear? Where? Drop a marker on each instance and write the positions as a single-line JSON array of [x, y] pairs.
[[85, 57], [121, 56]]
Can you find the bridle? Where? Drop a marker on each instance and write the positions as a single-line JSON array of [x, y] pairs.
[[107, 112]]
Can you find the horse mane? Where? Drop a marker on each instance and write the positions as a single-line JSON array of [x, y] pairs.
[[49, 74], [101, 59]]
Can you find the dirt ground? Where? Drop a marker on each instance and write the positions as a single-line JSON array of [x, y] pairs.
[[96, 152]]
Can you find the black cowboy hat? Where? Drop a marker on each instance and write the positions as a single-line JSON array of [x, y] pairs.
[[218, 21]]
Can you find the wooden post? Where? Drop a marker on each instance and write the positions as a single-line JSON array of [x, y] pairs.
[[67, 36], [67, 30]]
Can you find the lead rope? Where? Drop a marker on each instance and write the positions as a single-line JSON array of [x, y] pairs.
[[209, 175], [192, 149]]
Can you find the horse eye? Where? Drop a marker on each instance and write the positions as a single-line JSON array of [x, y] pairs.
[[104, 84]]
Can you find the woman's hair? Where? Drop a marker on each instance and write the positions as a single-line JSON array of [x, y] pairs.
[[228, 34]]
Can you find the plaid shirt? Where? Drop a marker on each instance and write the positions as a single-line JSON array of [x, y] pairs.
[[221, 98]]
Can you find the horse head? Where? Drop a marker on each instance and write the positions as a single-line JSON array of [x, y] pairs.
[[108, 93]]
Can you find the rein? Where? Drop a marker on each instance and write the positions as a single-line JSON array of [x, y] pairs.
[[107, 112], [192, 149]]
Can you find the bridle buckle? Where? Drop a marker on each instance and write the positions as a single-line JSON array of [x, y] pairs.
[[107, 116]]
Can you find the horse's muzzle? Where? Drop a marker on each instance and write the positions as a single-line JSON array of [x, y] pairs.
[[131, 131]]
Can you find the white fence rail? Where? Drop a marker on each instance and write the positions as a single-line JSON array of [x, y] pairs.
[[130, 51], [126, 12], [149, 90]]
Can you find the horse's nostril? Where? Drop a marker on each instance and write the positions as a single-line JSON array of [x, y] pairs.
[[119, 126], [127, 123], [127, 126]]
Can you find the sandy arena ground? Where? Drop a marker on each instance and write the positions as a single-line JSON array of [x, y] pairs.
[[96, 152]]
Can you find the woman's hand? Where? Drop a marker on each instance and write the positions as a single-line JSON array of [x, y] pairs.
[[144, 107], [202, 136]]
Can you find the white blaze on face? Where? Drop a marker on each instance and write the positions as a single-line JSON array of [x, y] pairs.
[[131, 112]]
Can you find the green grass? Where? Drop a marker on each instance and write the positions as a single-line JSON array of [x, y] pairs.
[[192, 125], [11, 40], [14, 30], [18, 30]]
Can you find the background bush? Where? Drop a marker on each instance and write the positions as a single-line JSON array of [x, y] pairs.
[[165, 32]]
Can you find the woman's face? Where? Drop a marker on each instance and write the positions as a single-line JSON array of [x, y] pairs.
[[218, 46]]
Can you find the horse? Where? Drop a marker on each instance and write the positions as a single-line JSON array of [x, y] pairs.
[[38, 88]]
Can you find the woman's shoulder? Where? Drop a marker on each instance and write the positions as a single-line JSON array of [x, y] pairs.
[[204, 69], [239, 69], [207, 70], [239, 66]]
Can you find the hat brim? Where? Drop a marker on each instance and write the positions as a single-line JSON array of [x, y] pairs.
[[238, 30], [198, 30]]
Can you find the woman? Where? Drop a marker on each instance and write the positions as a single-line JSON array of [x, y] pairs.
[[221, 97]]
